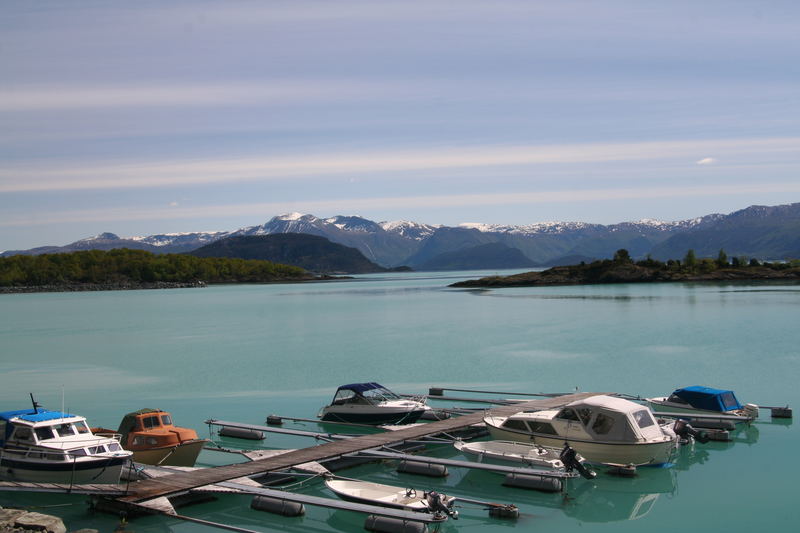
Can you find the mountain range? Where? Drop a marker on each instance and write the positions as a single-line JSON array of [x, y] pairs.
[[763, 232]]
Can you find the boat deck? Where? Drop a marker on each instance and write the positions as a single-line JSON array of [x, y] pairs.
[[183, 482]]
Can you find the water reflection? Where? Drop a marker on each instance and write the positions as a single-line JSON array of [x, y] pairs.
[[610, 498], [599, 297]]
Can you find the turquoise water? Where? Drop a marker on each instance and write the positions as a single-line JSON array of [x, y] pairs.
[[243, 352]]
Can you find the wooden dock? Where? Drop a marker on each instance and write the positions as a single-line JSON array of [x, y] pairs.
[[181, 483]]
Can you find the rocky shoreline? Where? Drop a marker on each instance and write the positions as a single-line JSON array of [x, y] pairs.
[[116, 286], [22, 521], [628, 273], [134, 286]]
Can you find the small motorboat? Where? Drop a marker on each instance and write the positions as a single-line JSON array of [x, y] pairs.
[[41, 446], [699, 400], [396, 497], [372, 403], [155, 440], [603, 429], [511, 451]]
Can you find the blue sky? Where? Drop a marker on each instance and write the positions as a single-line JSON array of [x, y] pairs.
[[152, 117]]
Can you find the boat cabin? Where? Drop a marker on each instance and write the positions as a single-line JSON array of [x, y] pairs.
[[363, 393], [60, 433], [706, 398], [599, 418], [148, 428]]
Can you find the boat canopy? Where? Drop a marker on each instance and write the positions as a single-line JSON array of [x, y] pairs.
[[371, 392], [613, 419], [707, 398], [361, 388], [28, 415], [31, 415]]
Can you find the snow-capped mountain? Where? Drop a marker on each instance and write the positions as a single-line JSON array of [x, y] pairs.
[[392, 244], [409, 230]]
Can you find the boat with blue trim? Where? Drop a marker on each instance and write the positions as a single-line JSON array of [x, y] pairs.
[[37, 445], [372, 403], [701, 400]]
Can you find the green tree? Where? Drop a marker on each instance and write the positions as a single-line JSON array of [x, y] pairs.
[[690, 260], [622, 256], [722, 259]]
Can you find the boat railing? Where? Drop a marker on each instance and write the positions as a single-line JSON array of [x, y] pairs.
[[35, 452], [110, 435]]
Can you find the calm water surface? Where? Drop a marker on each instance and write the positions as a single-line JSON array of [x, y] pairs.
[[243, 352]]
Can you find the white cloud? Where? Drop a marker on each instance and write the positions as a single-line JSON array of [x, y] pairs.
[[274, 92], [135, 174], [706, 161]]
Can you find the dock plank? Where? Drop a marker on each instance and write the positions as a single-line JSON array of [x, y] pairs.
[[182, 482]]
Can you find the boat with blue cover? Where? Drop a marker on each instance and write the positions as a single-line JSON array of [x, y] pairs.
[[701, 400], [372, 403], [37, 445]]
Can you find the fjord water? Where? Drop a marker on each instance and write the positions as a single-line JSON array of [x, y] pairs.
[[241, 352]]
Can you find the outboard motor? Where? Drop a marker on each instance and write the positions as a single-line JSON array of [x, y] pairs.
[[568, 456], [685, 431], [436, 503]]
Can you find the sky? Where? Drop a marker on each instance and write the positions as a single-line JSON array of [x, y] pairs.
[[150, 117]]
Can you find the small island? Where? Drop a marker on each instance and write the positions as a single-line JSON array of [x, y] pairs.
[[125, 269], [622, 269]]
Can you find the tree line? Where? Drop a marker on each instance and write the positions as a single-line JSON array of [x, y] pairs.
[[692, 264], [136, 266]]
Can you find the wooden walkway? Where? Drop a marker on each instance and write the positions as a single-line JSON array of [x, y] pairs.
[[180, 483], [63, 488]]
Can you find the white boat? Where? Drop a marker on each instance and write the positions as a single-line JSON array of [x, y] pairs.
[[371, 403], [706, 401], [389, 496], [603, 429], [41, 446], [513, 452]]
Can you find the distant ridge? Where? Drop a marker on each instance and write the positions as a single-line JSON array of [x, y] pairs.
[[491, 255], [763, 232], [313, 253]]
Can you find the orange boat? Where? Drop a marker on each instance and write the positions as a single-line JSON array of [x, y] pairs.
[[154, 440]]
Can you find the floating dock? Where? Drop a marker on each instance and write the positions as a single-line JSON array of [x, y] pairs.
[[183, 482], [153, 494]]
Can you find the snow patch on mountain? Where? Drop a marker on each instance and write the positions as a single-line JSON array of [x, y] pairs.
[[290, 216], [168, 239], [409, 230], [106, 236], [529, 229]]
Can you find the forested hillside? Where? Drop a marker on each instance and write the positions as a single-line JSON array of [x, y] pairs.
[[136, 266]]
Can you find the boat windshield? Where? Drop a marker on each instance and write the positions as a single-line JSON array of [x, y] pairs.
[[371, 396], [65, 430], [166, 420], [44, 433], [380, 395], [644, 418], [729, 401], [150, 422], [677, 399]]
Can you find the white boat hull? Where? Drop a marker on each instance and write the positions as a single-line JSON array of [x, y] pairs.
[[94, 470], [513, 452], [394, 497], [386, 413]]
